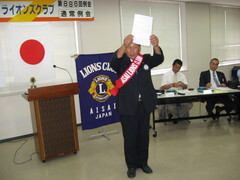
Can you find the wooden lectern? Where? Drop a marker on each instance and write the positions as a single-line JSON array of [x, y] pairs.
[[54, 119]]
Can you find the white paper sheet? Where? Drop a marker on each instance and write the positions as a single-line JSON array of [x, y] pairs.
[[142, 29]]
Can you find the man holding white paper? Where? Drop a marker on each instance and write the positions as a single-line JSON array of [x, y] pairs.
[[136, 99]]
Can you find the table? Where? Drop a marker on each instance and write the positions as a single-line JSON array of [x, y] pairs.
[[183, 96]]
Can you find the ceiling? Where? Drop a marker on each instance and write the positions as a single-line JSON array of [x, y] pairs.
[[223, 2]]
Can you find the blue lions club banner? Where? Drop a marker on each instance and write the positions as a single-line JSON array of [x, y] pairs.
[[95, 78]]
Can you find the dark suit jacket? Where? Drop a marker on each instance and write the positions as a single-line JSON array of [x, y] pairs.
[[140, 83], [206, 78]]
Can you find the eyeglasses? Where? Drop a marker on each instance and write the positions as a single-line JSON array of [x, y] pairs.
[[216, 64]]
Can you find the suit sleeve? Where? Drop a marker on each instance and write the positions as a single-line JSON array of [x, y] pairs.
[[202, 80], [115, 62], [222, 78], [154, 60]]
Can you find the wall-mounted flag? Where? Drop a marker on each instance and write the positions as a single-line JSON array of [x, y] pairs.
[[31, 51]]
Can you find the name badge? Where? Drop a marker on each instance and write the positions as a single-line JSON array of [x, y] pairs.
[[169, 94], [208, 91]]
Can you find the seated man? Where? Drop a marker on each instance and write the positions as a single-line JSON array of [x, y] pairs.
[[174, 79], [213, 79]]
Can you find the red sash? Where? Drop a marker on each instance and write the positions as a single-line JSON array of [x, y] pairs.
[[127, 75]]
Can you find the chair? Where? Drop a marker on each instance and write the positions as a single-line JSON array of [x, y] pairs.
[[165, 114]]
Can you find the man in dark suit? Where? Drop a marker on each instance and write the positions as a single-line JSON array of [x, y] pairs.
[[136, 99], [213, 79]]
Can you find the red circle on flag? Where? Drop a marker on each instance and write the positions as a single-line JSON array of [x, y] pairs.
[[32, 51]]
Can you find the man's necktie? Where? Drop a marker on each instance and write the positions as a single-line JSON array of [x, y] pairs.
[[215, 79], [175, 78]]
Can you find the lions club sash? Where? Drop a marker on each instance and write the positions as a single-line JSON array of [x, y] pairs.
[[127, 75]]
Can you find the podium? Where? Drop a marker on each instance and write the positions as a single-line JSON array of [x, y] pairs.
[[54, 119]]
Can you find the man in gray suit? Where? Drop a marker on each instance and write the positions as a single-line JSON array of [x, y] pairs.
[[136, 98]]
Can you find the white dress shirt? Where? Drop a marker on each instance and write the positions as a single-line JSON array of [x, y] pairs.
[[168, 78]]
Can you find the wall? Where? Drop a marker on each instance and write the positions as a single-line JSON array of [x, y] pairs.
[[104, 35], [198, 44]]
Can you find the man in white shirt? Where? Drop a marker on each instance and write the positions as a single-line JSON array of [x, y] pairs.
[[174, 79]]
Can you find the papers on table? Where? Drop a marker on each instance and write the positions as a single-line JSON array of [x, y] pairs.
[[223, 88], [142, 29]]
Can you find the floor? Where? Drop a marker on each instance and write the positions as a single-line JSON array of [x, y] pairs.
[[200, 150]]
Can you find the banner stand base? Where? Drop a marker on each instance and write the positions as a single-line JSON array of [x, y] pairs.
[[104, 133]]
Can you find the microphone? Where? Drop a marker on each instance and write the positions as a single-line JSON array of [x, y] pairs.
[[55, 66]]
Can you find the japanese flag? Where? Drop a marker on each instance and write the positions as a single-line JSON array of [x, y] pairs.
[[31, 51], [2, 79]]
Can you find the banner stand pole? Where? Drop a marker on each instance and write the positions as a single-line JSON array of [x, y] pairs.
[[104, 133]]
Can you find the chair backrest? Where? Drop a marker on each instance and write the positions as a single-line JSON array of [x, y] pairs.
[[233, 84]]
